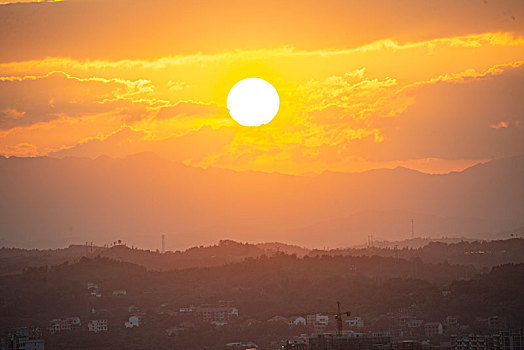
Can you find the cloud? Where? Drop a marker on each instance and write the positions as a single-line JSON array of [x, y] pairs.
[[353, 97], [342, 107], [190, 148], [455, 119], [28, 100], [27, 2], [351, 123], [20, 150], [188, 109], [499, 125], [261, 24]]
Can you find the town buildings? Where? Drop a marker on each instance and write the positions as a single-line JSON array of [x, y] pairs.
[[349, 341], [23, 339], [217, 315], [432, 329], [64, 324], [502, 340]]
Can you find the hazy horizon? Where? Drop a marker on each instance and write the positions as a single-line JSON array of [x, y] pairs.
[[345, 215]]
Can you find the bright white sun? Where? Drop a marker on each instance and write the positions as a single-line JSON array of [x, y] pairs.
[[253, 102]]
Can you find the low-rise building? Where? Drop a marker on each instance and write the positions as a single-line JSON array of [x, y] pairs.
[[181, 327], [380, 338], [132, 322], [355, 322], [317, 322], [217, 315], [350, 340], [297, 321], [473, 341], [295, 345], [64, 324], [94, 290], [432, 329], [23, 339], [187, 310], [503, 340], [119, 292], [492, 323], [278, 318], [403, 320], [97, 326], [242, 346], [407, 345], [415, 323], [452, 322]]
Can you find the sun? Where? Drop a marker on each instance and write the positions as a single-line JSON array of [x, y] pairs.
[[253, 102]]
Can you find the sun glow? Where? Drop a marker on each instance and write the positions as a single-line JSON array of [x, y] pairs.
[[253, 102]]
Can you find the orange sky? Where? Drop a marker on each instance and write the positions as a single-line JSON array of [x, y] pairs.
[[434, 86]]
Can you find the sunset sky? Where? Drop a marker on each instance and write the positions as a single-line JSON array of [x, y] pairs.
[[431, 85]]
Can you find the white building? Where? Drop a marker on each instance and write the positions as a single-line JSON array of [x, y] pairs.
[[415, 323], [97, 326], [134, 321], [31, 344], [64, 324], [322, 319], [119, 292], [23, 339], [216, 315], [355, 322], [188, 309], [297, 320], [242, 346], [94, 290], [319, 322]]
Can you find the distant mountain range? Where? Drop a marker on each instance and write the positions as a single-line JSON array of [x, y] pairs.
[[15, 260], [51, 202], [468, 253]]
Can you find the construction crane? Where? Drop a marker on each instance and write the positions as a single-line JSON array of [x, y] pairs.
[[338, 317]]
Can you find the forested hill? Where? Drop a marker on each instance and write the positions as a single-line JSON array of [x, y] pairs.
[[267, 286], [480, 254], [477, 253]]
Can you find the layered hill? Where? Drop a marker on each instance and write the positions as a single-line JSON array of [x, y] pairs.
[[50, 202]]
